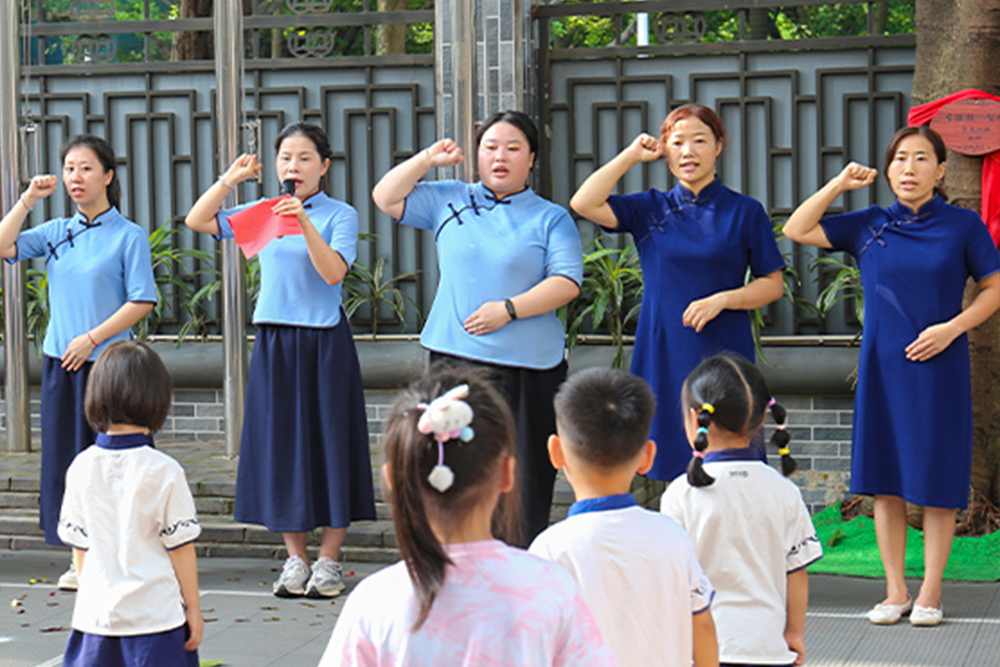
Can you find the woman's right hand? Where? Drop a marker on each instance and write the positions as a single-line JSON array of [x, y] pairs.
[[40, 188], [645, 148], [243, 168], [444, 153], [855, 176]]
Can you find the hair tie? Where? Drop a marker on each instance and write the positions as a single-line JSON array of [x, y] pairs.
[[446, 417], [771, 403], [697, 454], [780, 427], [708, 407], [702, 430], [784, 451]]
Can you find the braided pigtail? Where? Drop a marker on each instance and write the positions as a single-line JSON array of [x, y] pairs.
[[781, 438], [696, 474]]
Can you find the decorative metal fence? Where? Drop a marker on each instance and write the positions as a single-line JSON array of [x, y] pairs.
[[141, 74], [798, 103]]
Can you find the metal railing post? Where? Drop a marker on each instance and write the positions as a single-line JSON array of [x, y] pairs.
[[15, 339], [228, 25]]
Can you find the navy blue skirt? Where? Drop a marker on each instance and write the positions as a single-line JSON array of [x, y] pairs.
[[159, 649], [304, 458], [65, 433]]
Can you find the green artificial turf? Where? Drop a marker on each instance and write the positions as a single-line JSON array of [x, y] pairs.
[[849, 548]]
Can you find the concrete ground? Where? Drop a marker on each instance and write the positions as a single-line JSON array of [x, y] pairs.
[[247, 626]]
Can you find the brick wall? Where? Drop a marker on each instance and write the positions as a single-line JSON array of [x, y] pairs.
[[820, 427]]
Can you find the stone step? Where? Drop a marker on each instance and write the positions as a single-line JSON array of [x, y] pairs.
[[367, 541]]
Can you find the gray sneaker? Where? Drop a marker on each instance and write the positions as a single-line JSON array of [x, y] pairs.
[[327, 580], [292, 582]]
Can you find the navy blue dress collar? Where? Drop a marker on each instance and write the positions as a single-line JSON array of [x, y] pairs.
[[733, 454], [129, 441], [602, 504], [902, 214], [707, 192]]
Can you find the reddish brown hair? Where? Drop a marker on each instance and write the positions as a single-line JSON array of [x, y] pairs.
[[702, 113]]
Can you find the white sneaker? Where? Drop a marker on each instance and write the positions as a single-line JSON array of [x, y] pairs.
[[327, 580], [68, 580], [292, 582]]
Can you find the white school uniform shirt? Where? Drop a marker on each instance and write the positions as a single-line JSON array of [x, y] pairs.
[[750, 530], [498, 607], [127, 505], [628, 559]]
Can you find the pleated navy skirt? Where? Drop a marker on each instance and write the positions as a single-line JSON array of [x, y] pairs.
[[65, 433], [304, 457]]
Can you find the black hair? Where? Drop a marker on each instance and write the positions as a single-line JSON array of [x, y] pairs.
[[762, 401], [105, 155], [411, 455], [313, 133], [731, 393], [604, 415], [518, 119], [128, 385], [940, 151]]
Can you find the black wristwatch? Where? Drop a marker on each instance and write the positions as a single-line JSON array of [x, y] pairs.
[[509, 305]]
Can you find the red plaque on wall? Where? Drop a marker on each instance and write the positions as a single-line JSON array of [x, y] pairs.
[[970, 127]]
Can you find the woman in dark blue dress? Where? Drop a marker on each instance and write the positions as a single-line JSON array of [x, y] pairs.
[[913, 405], [695, 243]]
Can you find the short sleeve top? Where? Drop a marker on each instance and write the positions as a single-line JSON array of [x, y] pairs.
[[491, 249], [497, 606], [292, 292], [127, 505], [93, 268]]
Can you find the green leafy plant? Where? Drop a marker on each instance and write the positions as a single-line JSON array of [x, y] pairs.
[[37, 311], [792, 280], [166, 259], [610, 296], [368, 286], [846, 284]]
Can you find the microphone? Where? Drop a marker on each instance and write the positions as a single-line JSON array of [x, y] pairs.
[[288, 187]]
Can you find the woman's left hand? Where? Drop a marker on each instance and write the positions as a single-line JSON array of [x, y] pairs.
[[77, 352], [701, 312], [290, 206], [931, 342], [488, 318]]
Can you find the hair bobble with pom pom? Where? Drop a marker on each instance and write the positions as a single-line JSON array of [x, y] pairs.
[[446, 417]]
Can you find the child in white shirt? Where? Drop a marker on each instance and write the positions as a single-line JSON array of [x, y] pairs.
[[751, 530], [623, 556], [130, 518], [460, 597]]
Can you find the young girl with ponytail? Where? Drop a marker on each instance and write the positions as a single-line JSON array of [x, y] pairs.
[[735, 506], [460, 596]]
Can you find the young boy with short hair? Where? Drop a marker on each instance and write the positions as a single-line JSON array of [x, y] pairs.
[[637, 568]]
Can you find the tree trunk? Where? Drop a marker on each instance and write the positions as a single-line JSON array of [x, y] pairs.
[[391, 38], [193, 44], [881, 18], [958, 46]]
